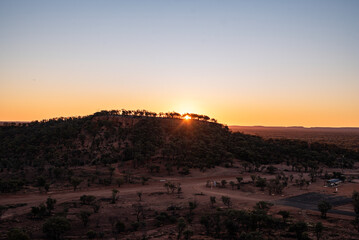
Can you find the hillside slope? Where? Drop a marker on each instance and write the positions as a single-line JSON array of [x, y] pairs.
[[108, 138]]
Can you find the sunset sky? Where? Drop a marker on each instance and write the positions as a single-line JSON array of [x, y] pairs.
[[270, 63]]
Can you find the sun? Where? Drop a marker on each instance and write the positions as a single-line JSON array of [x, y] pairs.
[[187, 117]]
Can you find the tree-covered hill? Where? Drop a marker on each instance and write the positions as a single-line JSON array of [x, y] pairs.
[[143, 137]]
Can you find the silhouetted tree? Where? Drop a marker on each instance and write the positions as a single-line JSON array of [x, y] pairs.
[[318, 230], [55, 227], [227, 201], [324, 207]]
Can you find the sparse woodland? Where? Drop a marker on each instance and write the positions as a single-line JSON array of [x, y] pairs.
[[54, 154]]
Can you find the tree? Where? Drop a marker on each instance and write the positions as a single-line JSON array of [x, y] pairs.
[[41, 182], [213, 200], [170, 187], [179, 188], [299, 228], [138, 210], [139, 194], [91, 234], [355, 198], [291, 177], [84, 217], [47, 187], [144, 180], [119, 181], [55, 227], [324, 207], [285, 215], [206, 223], [75, 182], [50, 205], [114, 196], [245, 166], [271, 169], [239, 180], [120, 227], [192, 205], [253, 177], [232, 184], [112, 170], [17, 234], [318, 230], [96, 207], [188, 234], [227, 201], [223, 183], [2, 210], [261, 182], [87, 199], [262, 205], [181, 224], [39, 212]]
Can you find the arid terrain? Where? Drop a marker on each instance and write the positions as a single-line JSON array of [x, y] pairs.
[[344, 137], [155, 199], [137, 175]]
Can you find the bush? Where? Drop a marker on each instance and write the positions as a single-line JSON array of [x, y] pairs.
[[96, 207], [17, 234], [91, 234], [11, 185], [50, 204], [84, 216], [55, 227], [227, 201], [120, 227], [299, 228], [135, 226], [324, 207], [184, 171], [87, 199], [39, 212], [3, 209]]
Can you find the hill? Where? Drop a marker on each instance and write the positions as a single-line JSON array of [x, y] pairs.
[[109, 137], [163, 165]]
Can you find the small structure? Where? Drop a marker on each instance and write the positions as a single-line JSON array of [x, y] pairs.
[[333, 182]]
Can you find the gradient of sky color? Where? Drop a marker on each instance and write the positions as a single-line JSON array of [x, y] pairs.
[[281, 63]]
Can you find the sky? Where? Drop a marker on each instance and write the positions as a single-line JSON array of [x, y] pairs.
[[269, 63]]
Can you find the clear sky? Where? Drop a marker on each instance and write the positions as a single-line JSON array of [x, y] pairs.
[[282, 63]]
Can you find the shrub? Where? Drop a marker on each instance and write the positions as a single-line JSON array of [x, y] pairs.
[[96, 207], [324, 207], [87, 199], [299, 228], [55, 227], [135, 226], [318, 230], [84, 216], [50, 204], [184, 171], [227, 201], [2, 210], [91, 234], [39, 212], [120, 227], [17, 234]]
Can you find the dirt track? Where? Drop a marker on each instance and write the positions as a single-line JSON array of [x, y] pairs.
[[191, 185]]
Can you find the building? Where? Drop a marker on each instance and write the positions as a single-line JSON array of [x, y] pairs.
[[333, 182]]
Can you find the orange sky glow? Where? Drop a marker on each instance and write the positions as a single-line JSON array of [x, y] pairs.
[[268, 63]]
